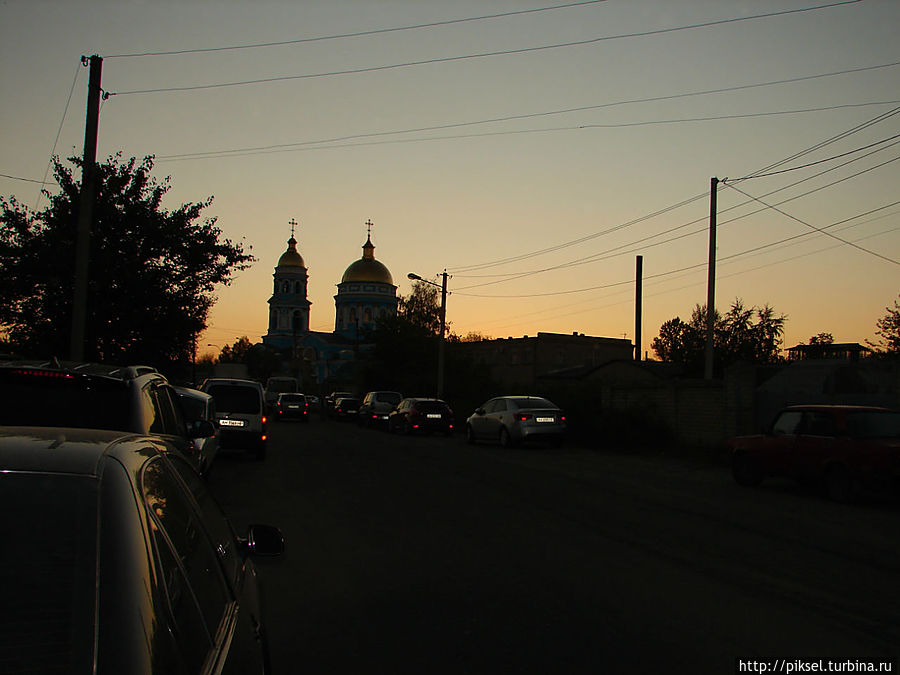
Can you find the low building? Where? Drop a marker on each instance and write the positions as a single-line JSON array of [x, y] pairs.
[[518, 363], [841, 351]]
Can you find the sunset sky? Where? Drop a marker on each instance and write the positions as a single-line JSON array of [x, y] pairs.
[[532, 148]]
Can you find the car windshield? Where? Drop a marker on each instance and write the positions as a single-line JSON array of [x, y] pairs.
[[531, 402], [874, 424], [48, 572], [232, 399], [55, 399]]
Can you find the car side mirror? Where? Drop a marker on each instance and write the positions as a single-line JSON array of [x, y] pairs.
[[263, 540], [202, 429]]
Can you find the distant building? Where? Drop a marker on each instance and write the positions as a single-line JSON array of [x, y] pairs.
[[365, 294], [520, 362]]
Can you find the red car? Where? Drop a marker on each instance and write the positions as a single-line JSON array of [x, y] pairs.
[[844, 448]]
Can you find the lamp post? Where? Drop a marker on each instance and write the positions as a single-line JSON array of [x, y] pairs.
[[443, 287]]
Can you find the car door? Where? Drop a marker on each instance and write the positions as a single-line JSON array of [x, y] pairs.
[[495, 417], [815, 444], [777, 452], [199, 568]]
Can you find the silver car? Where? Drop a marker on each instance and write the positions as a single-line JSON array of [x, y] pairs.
[[512, 420]]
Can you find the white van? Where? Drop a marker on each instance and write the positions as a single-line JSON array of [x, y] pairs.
[[240, 413]]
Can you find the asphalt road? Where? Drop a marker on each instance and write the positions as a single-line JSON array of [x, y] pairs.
[[424, 554]]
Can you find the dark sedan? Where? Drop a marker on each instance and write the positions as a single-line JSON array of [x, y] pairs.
[[421, 415], [118, 560], [292, 407]]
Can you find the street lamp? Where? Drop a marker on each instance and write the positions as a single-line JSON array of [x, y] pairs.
[[443, 287]]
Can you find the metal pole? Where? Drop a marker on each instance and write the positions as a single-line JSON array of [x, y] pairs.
[[85, 211], [440, 377], [638, 302], [711, 281]]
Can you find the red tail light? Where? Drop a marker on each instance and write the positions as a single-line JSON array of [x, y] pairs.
[[524, 417], [264, 420]]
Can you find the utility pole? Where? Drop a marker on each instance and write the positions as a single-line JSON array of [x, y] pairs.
[[440, 382], [711, 281], [86, 210], [638, 302]]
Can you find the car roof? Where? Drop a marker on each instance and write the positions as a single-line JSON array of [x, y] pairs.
[[235, 381], [839, 407], [83, 368], [192, 393], [58, 449]]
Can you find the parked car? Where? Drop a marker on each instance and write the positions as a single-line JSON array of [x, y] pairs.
[[334, 396], [292, 407], [121, 561], [240, 413], [199, 407], [376, 407], [421, 415], [512, 420], [845, 449], [346, 408], [96, 396]]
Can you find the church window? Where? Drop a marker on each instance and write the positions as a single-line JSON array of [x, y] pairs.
[[284, 287]]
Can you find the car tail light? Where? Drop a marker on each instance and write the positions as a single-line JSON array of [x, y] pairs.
[[524, 417], [562, 418], [264, 419], [52, 374], [263, 438]]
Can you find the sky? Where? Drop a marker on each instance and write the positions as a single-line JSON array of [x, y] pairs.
[[531, 148]]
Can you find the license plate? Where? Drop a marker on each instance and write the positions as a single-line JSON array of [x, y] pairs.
[[433, 416], [231, 423], [544, 419], [293, 407]]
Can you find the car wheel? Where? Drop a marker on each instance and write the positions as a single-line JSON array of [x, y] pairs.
[[840, 485], [745, 470], [470, 435], [505, 440]]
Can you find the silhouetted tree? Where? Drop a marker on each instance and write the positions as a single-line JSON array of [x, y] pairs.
[[153, 272], [888, 331], [236, 353], [742, 334]]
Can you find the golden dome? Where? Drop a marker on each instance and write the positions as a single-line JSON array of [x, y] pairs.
[[291, 258], [367, 268]]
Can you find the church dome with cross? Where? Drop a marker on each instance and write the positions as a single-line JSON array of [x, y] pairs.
[[366, 293]]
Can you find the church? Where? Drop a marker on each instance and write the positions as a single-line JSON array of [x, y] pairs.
[[365, 294]]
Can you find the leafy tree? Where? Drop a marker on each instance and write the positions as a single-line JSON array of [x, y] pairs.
[[888, 331], [742, 334], [153, 272], [236, 353], [822, 339], [421, 309]]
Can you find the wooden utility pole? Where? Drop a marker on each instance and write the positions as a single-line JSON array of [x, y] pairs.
[[440, 382], [711, 281], [638, 304], [86, 210]]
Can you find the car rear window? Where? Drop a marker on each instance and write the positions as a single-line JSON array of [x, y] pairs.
[[293, 398], [57, 399], [47, 572], [873, 424], [388, 397], [235, 399], [431, 406], [532, 402]]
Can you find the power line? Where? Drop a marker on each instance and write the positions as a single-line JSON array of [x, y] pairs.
[[338, 142], [507, 52], [341, 36], [817, 229], [845, 134]]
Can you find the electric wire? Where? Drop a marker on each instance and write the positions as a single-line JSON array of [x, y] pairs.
[[341, 36], [508, 118], [482, 55], [817, 229]]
